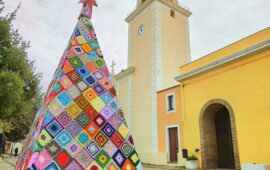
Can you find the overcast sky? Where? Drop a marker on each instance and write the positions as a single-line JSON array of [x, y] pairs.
[[48, 24]]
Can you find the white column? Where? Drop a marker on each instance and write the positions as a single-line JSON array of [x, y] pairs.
[[156, 66]]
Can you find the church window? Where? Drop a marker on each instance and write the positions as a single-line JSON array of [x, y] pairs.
[[141, 30], [172, 13], [170, 103]]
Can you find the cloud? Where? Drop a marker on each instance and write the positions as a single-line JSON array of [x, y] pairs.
[[49, 24], [215, 24]]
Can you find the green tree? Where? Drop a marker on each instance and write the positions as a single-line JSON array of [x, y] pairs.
[[19, 84], [11, 93]]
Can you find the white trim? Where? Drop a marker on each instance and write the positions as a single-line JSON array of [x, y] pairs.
[[158, 46], [224, 61], [124, 73], [137, 11], [167, 140], [167, 106], [129, 107], [188, 52], [129, 45], [154, 71]]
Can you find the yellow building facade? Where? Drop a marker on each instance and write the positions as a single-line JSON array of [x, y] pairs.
[[215, 108], [225, 104]]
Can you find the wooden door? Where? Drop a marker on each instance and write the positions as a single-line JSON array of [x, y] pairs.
[[224, 140], [173, 141]]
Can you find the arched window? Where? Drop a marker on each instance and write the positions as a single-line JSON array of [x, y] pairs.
[[172, 13]]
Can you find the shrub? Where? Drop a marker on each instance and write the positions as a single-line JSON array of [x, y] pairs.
[[192, 158]]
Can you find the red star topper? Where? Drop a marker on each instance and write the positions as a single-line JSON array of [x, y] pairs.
[[89, 5]]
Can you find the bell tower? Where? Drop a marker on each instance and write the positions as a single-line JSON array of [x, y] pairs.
[[158, 45], [139, 2], [159, 31]]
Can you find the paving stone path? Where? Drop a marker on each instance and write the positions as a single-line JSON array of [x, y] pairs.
[[7, 162]]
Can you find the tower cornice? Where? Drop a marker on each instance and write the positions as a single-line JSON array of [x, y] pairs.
[[124, 73], [141, 7]]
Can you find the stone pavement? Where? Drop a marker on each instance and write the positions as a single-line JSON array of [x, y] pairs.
[[154, 169], [7, 162], [162, 167]]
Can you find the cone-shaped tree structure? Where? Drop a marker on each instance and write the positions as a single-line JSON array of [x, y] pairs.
[[80, 124]]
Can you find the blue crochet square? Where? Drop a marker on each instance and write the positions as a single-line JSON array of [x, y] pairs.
[[63, 138], [106, 97], [64, 98], [54, 128], [52, 166], [83, 138], [93, 55], [47, 119], [82, 71], [108, 130], [119, 158], [98, 89], [90, 80]]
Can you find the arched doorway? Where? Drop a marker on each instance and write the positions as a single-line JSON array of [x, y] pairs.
[[218, 136]]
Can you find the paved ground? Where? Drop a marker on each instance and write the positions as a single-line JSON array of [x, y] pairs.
[[7, 163], [155, 169]]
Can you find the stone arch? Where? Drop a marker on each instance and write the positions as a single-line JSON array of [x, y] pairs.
[[208, 140]]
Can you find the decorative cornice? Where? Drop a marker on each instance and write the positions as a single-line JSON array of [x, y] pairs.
[[129, 106], [124, 73], [224, 61], [169, 88], [138, 10]]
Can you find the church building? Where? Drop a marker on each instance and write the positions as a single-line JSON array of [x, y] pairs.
[[225, 101], [216, 107], [158, 45]]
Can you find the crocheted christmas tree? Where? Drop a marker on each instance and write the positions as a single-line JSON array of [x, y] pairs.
[[80, 124]]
